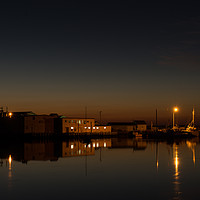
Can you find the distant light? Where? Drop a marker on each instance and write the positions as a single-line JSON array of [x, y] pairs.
[[10, 114], [72, 127], [104, 127], [89, 145], [175, 109], [89, 127], [97, 144], [85, 127], [10, 162], [93, 144], [104, 144], [72, 146], [97, 127], [93, 127], [10, 159]]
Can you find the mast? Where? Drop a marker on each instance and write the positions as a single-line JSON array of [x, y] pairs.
[[193, 117]]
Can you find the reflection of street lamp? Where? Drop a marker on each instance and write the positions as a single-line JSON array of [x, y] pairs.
[[174, 110]]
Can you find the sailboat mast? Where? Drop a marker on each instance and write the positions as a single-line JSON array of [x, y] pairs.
[[193, 117]]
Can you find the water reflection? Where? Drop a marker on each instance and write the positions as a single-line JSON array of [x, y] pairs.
[[146, 162], [157, 159], [192, 145], [9, 171], [177, 173]]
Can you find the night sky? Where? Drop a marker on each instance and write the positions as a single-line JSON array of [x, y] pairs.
[[124, 58]]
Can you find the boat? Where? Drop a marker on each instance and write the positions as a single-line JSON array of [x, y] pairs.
[[191, 129]]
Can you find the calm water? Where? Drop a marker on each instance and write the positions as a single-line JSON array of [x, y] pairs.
[[100, 169]]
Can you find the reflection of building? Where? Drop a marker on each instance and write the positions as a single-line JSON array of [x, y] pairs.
[[76, 148], [128, 143], [80, 125], [27, 151], [128, 127], [40, 152], [98, 143]]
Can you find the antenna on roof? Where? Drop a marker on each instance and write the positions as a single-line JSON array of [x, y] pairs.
[[85, 112]]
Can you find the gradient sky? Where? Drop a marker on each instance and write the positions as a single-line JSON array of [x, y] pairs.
[[123, 58]]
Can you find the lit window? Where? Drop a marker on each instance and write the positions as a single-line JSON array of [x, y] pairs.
[[72, 128], [85, 145], [72, 146], [79, 152], [79, 121], [89, 145], [97, 127], [93, 127], [104, 144], [104, 127], [85, 127], [89, 127], [97, 144], [93, 144]]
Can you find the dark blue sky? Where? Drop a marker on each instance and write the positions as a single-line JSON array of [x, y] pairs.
[[123, 58]]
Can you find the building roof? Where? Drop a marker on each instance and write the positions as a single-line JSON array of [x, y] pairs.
[[23, 114], [139, 122], [64, 117], [121, 123], [136, 122]]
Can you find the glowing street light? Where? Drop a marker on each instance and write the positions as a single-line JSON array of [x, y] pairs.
[[174, 110], [10, 114]]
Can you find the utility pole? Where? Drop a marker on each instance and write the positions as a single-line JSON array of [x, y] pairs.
[[85, 112], [100, 117], [156, 120]]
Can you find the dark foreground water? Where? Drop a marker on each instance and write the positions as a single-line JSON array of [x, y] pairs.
[[117, 168]]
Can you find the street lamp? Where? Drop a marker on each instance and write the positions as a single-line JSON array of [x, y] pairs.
[[174, 110], [10, 114]]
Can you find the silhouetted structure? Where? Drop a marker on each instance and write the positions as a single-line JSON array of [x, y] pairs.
[[27, 123], [128, 127]]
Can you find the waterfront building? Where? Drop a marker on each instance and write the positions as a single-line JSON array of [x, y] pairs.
[[128, 127], [19, 123], [39, 124], [87, 126]]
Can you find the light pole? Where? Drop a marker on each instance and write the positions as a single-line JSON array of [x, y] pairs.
[[175, 109]]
